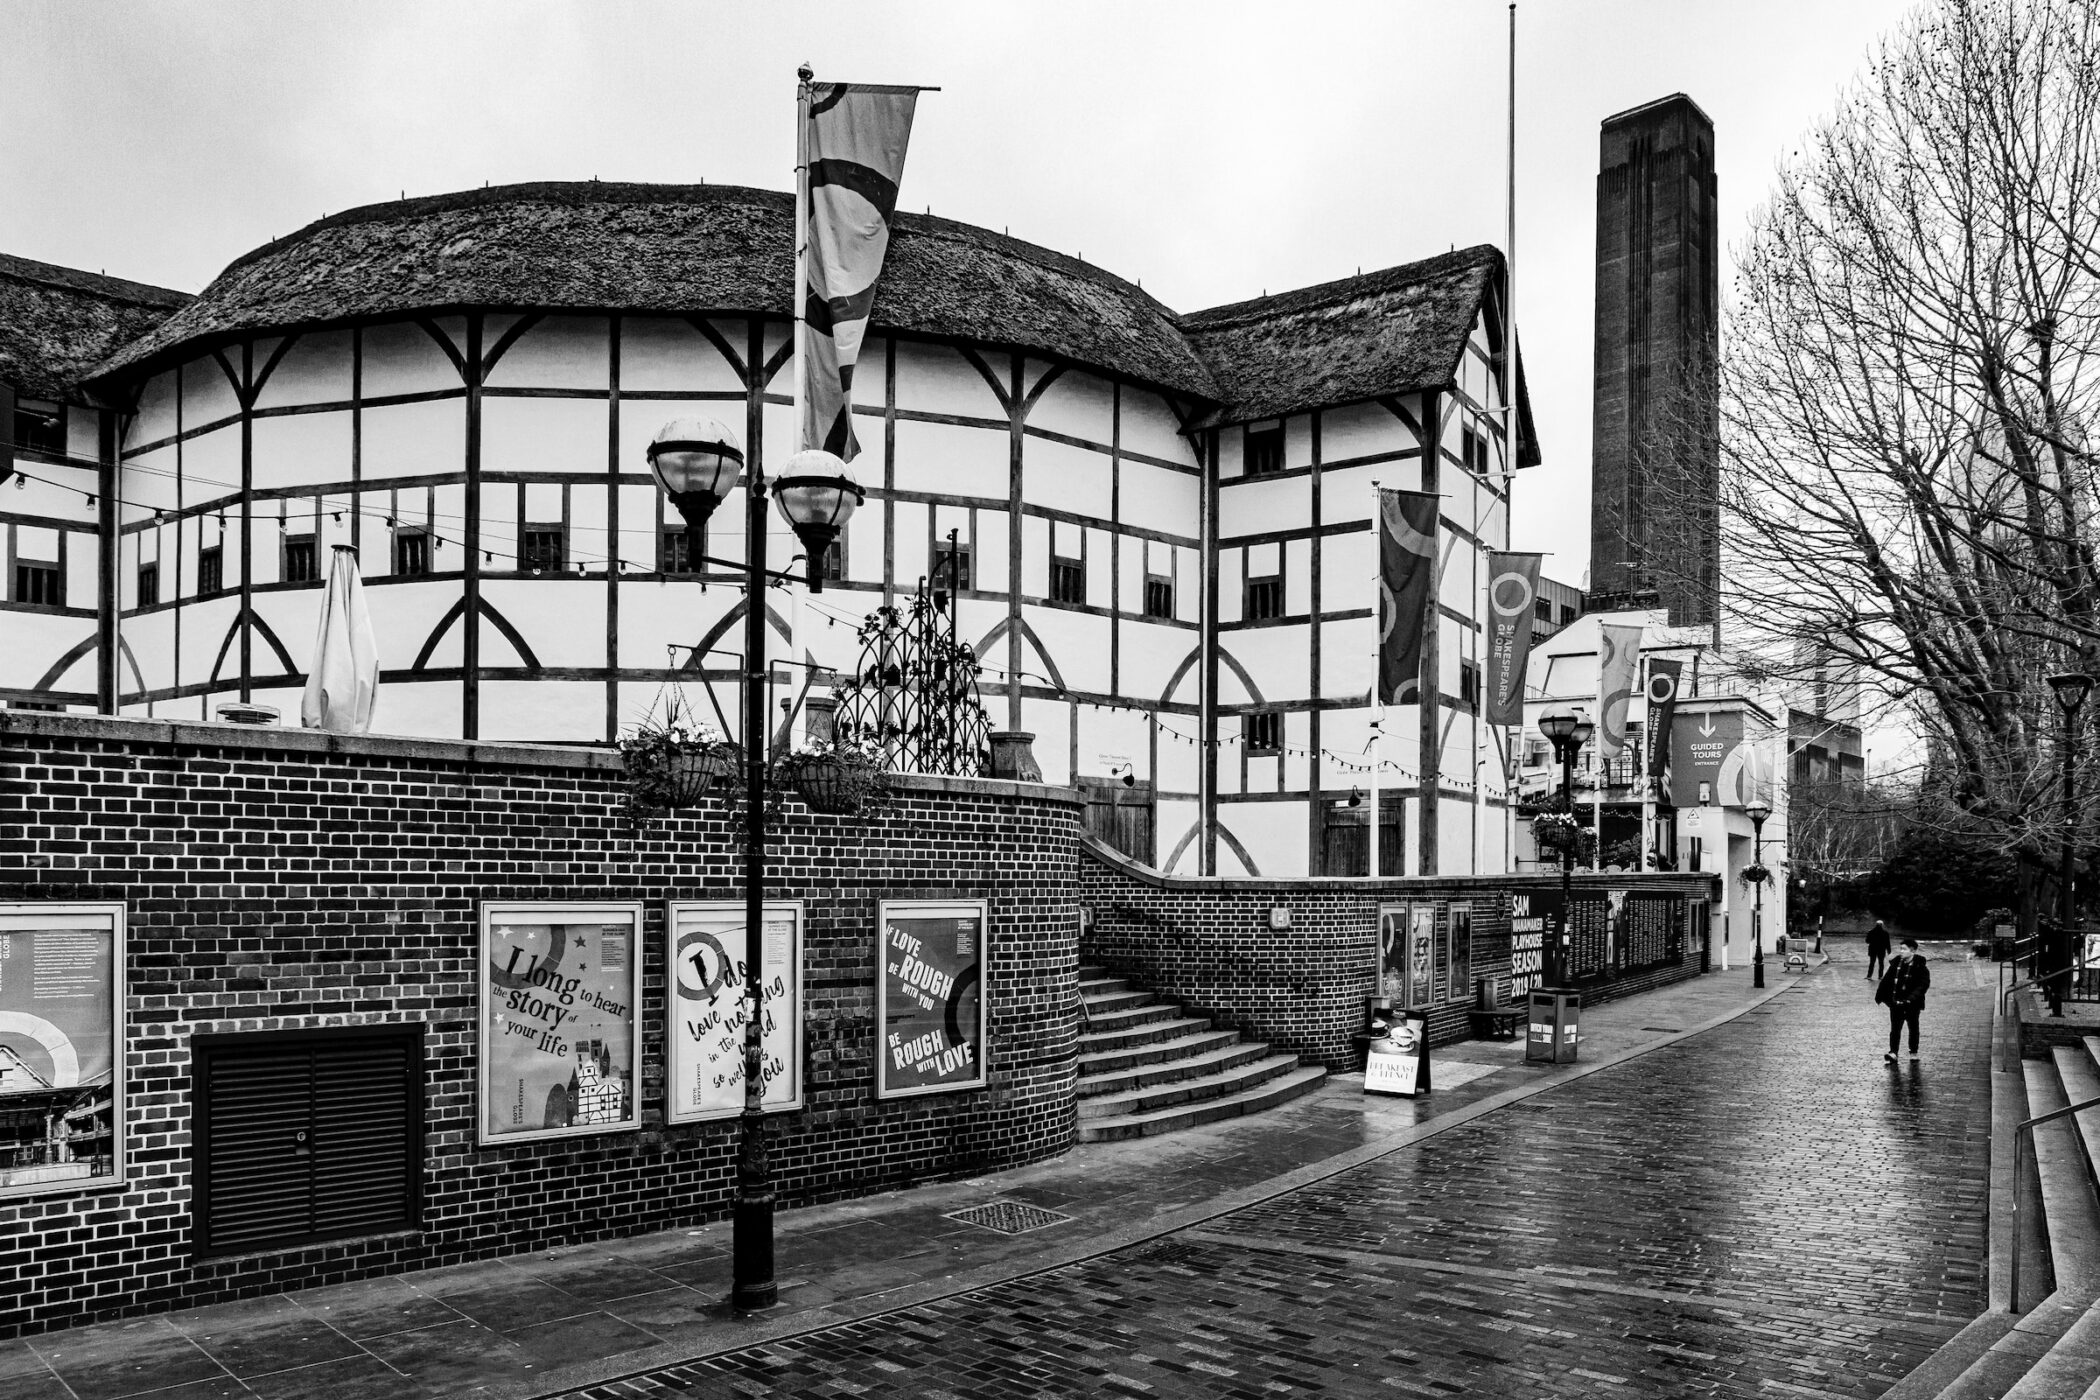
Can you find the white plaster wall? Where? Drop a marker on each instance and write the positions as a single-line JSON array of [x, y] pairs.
[[554, 435], [659, 354], [557, 352], [316, 369]]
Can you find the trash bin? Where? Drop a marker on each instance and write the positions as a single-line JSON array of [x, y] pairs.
[[1555, 1027]]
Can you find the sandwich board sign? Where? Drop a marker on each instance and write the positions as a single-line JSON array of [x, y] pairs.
[[1397, 1060]]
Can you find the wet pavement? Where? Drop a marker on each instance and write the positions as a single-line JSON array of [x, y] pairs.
[[1762, 1207]]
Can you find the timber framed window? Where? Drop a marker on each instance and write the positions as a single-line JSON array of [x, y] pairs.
[[1264, 598], [1469, 685], [1262, 733], [211, 569], [1264, 450], [411, 553], [39, 584], [833, 568], [40, 427], [149, 586], [951, 568], [1473, 450], [1067, 580], [675, 557], [305, 1136], [302, 559], [1159, 596], [544, 549]]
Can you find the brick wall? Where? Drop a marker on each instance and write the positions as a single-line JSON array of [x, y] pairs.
[[1208, 943], [287, 880]]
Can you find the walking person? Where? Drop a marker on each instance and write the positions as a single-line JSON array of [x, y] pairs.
[[1877, 950], [1903, 990]]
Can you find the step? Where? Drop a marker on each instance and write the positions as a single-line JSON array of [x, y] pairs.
[[1219, 1050], [1090, 986], [1093, 1043], [1219, 1084], [1282, 1089], [1178, 1050], [1127, 1017], [1099, 1004], [1931, 1377]]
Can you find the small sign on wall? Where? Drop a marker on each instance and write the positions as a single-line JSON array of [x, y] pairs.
[[1397, 1059]]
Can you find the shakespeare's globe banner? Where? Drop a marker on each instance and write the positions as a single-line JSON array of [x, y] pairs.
[[1513, 586]]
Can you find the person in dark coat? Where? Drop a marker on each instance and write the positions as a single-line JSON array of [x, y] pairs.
[[1903, 990], [1877, 950]]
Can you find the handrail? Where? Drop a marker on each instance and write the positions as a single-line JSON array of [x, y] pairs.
[[2028, 1128], [2036, 981]]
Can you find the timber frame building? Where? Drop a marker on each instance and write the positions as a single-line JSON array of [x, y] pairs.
[[1161, 522]]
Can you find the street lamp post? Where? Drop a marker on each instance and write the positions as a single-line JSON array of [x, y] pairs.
[[1757, 810], [2071, 688], [1567, 733], [695, 461]]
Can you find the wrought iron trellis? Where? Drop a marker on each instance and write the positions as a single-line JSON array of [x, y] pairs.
[[914, 695]]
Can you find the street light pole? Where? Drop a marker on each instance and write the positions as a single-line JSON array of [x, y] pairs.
[[2071, 688], [1567, 733], [1757, 811]]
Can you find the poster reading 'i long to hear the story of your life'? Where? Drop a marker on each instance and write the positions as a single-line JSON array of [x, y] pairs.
[[559, 987]]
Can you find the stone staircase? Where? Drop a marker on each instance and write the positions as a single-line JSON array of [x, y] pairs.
[[2041, 1338], [1145, 1067]]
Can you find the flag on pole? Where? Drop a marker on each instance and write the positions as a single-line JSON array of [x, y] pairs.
[[1406, 573], [1663, 677], [343, 680], [1618, 652], [1513, 582], [853, 143]]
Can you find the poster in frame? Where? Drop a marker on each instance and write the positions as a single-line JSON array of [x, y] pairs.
[[705, 1020], [930, 960], [61, 1047], [558, 1046]]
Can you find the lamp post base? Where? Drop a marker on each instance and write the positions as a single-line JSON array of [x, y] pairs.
[[751, 1246]]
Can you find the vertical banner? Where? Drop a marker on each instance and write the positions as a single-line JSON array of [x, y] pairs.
[[1663, 677], [853, 143], [1618, 653], [929, 995], [559, 988], [1396, 1060], [1513, 586], [708, 962], [61, 1039], [1406, 577]]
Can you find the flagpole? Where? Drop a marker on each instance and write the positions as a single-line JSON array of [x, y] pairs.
[[1509, 269], [1647, 768], [1377, 707], [800, 292]]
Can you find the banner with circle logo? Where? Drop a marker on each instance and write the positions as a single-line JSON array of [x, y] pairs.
[[1513, 587], [706, 1018]]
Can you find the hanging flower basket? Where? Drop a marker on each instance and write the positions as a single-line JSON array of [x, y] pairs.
[[694, 776], [827, 786], [674, 763], [833, 777]]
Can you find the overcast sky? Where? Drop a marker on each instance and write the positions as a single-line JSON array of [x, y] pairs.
[[1211, 151]]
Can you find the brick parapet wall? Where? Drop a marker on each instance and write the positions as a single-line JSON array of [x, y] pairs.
[[282, 879], [1208, 943]]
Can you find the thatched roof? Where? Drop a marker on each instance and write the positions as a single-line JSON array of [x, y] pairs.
[[1395, 331], [56, 323], [688, 249]]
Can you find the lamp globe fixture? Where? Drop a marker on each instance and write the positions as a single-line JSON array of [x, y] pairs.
[[696, 461], [2072, 688], [817, 493]]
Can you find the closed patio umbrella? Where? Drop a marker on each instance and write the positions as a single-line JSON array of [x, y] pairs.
[[343, 680]]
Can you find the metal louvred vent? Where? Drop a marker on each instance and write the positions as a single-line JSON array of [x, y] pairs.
[[306, 1136]]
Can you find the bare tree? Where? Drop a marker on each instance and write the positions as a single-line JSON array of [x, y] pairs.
[[1907, 394]]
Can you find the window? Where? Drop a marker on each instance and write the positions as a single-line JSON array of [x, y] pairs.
[[833, 568], [1469, 684], [1262, 733], [1535, 754], [1264, 450], [677, 557], [211, 569], [40, 427], [301, 559], [1067, 580], [1473, 451], [39, 583], [951, 566], [1542, 609], [149, 585], [1567, 613], [544, 549], [1264, 598], [1159, 596], [411, 552]]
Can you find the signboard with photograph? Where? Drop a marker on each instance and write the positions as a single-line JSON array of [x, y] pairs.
[[1407, 954], [929, 997], [704, 1037], [1458, 952], [61, 1038], [1396, 1061], [559, 988]]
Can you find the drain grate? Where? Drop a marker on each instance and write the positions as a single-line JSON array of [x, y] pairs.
[[1674, 1030], [1009, 1217]]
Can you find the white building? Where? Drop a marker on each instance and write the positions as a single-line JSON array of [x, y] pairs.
[[1163, 519]]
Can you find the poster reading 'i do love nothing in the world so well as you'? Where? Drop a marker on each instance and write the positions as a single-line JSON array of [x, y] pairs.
[[709, 960]]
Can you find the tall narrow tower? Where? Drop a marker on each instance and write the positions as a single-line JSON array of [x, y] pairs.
[[1655, 444]]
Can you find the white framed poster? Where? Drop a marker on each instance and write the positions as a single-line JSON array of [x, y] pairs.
[[929, 996], [61, 1047], [560, 984], [705, 1019]]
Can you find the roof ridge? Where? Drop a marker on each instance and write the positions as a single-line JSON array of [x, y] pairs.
[[1342, 289], [74, 279]]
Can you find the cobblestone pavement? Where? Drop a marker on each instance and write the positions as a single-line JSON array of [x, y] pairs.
[[1765, 1209]]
